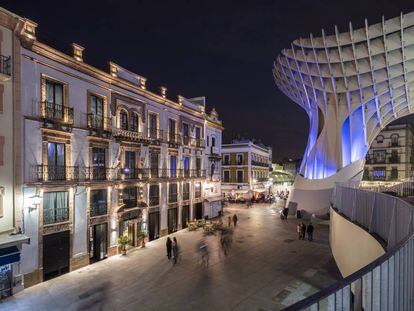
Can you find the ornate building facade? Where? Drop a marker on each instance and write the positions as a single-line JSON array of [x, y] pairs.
[[102, 156]]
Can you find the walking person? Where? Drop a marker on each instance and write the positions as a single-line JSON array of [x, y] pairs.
[[235, 219], [169, 248], [303, 230], [175, 249], [309, 230], [299, 230], [229, 221]]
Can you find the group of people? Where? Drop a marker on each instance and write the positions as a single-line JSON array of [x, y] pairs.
[[302, 229], [234, 219], [173, 250]]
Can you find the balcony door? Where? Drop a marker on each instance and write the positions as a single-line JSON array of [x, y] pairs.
[[56, 161], [173, 166], [186, 134], [129, 168], [54, 100], [186, 163], [98, 163], [153, 125], [96, 112], [171, 130], [154, 164]]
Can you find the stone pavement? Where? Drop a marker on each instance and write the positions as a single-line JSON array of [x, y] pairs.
[[267, 268]]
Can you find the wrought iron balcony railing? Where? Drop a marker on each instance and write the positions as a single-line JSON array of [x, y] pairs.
[[257, 163], [197, 142], [57, 113], [73, 173], [174, 139], [155, 134], [98, 209], [97, 122], [5, 65], [130, 135], [135, 173]]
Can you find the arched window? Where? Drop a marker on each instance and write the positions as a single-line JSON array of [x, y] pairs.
[[380, 139], [123, 119], [134, 122]]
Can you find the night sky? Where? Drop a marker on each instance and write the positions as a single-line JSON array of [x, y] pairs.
[[223, 50]]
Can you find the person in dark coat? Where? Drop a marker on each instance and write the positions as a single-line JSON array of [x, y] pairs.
[[285, 212], [303, 230], [169, 248], [235, 219], [309, 230], [176, 250]]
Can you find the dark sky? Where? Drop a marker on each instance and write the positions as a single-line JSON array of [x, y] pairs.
[[219, 49]]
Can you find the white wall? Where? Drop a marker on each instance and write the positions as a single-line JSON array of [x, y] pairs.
[[352, 247], [80, 226]]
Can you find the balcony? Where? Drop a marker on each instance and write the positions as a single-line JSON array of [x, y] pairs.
[[257, 163], [155, 135], [135, 173], [99, 125], [197, 142], [98, 209], [128, 135], [174, 140], [57, 113], [5, 68], [55, 173]]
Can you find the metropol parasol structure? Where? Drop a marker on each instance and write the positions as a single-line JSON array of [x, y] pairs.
[[351, 84]]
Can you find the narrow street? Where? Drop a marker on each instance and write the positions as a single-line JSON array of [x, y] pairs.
[[267, 268]]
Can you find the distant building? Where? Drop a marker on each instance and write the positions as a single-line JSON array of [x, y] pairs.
[[245, 167], [291, 165], [390, 157]]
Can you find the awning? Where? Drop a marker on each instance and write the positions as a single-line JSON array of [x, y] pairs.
[[215, 198], [9, 255]]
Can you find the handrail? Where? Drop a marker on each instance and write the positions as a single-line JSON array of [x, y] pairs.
[[369, 280]]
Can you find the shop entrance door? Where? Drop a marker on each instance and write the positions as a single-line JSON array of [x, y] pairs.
[[99, 242], [55, 254], [185, 216], [198, 211], [172, 220], [153, 225]]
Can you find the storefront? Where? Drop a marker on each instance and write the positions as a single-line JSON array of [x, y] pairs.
[[172, 220], [130, 224], [153, 225], [213, 206], [185, 216], [56, 254]]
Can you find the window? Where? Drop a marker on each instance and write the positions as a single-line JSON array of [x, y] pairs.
[[198, 136], [240, 176], [379, 173], [198, 167], [394, 173], [226, 159], [186, 134], [186, 161], [153, 125], [134, 122], [394, 140], [171, 130], [129, 166], [172, 193], [186, 191], [379, 156], [97, 205], [56, 161], [213, 141], [129, 197], [55, 207], [154, 164], [123, 119], [208, 141], [239, 159], [96, 111], [154, 198], [197, 190], [226, 176], [54, 100], [173, 166], [98, 163]]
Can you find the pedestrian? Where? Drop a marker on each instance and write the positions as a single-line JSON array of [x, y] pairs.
[[235, 219], [303, 230], [310, 232], [229, 221], [175, 249], [169, 248], [299, 230], [285, 212]]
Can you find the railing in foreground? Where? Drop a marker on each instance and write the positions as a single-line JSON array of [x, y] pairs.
[[386, 283]]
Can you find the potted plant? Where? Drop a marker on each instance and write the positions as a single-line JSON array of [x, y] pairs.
[[123, 241], [141, 236]]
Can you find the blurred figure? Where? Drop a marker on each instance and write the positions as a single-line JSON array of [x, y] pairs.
[[176, 250], [204, 253], [229, 221], [303, 230], [168, 244], [299, 230], [310, 232], [235, 219], [226, 240]]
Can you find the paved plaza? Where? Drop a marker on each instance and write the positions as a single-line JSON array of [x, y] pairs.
[[267, 268]]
